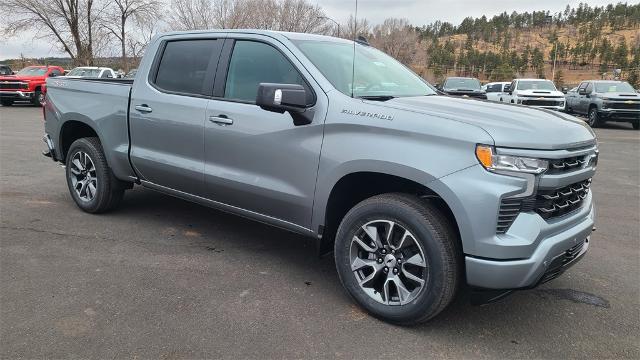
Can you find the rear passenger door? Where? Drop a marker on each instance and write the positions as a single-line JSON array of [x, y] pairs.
[[258, 160], [167, 113]]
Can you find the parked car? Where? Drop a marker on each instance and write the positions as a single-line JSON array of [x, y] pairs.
[[131, 74], [533, 92], [496, 89], [605, 100], [415, 193], [26, 84], [92, 72], [463, 86], [5, 70]]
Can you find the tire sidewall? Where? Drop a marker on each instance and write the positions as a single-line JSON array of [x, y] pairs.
[[592, 116], [429, 297], [101, 174]]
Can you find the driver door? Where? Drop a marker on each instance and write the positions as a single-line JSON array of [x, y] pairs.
[[257, 160]]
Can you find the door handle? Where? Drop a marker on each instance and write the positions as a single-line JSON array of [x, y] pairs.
[[144, 108], [221, 120]]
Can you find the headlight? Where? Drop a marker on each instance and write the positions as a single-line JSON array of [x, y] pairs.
[[493, 162]]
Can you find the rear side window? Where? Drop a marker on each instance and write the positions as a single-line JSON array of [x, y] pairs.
[[253, 63], [184, 65]]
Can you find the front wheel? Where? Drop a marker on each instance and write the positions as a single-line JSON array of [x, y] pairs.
[[398, 257], [38, 98], [91, 183], [594, 119], [636, 125]]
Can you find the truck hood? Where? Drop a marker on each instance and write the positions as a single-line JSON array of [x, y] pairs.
[[20, 78], [540, 93], [509, 125]]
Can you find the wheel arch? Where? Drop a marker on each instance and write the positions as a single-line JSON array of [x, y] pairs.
[[352, 187], [72, 130]]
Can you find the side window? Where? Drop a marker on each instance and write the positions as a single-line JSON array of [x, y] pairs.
[[56, 72], [106, 74], [589, 88], [582, 86], [184, 65], [253, 63]]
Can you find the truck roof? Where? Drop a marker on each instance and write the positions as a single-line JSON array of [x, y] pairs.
[[532, 79], [272, 33]]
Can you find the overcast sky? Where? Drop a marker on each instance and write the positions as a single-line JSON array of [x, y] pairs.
[[418, 12]]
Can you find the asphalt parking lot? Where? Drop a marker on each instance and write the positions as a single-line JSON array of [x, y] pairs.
[[164, 278]]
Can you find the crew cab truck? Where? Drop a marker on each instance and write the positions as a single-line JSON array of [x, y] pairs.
[[533, 92], [27, 84], [605, 100], [417, 194]]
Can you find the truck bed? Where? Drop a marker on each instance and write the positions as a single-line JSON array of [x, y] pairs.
[[102, 104]]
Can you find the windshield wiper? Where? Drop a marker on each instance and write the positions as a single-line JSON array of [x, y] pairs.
[[377, 97]]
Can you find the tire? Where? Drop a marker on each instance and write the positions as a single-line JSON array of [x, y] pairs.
[[636, 125], [86, 160], [6, 102], [38, 98], [593, 119], [439, 265]]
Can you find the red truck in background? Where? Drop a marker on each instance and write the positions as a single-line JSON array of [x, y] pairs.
[[27, 84]]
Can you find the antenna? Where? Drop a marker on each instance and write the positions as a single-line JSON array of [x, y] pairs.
[[355, 36]]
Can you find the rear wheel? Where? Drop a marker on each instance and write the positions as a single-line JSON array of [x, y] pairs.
[[593, 118], [397, 256], [6, 102], [636, 125], [90, 180]]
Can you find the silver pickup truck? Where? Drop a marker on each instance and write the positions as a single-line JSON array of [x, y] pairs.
[[415, 193]]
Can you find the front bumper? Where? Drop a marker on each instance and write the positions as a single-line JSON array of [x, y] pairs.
[[24, 95], [519, 256], [619, 114], [554, 255]]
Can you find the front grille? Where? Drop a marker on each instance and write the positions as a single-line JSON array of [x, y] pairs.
[[560, 166], [13, 85], [541, 102], [553, 203], [624, 106]]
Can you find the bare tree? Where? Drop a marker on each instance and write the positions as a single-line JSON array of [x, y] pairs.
[[120, 14], [69, 23], [284, 15], [397, 38], [355, 27]]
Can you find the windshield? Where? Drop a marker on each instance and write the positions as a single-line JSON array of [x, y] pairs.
[[536, 85], [614, 87], [84, 72], [462, 84], [376, 74], [33, 71]]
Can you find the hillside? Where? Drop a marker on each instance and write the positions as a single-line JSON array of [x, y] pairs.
[[590, 42]]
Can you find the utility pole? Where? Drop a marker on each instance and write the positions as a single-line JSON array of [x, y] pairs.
[[555, 56]]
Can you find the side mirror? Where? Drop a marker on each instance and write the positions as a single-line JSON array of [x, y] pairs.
[[507, 88], [565, 90], [582, 92], [281, 98]]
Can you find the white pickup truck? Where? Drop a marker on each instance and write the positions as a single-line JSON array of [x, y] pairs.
[[533, 92]]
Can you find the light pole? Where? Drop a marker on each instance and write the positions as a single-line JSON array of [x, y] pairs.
[[330, 19]]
